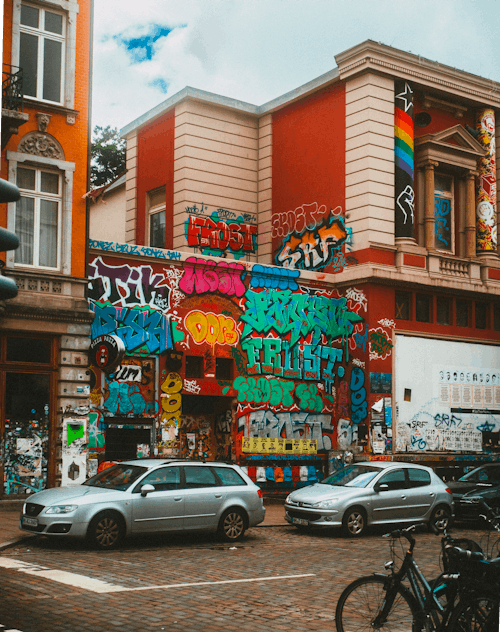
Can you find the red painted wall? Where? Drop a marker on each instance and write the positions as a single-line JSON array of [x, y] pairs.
[[155, 160], [309, 153]]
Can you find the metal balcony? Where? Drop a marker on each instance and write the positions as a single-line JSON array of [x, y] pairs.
[[12, 102]]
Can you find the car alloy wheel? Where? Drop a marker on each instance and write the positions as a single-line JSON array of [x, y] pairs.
[[106, 531], [232, 525], [354, 522]]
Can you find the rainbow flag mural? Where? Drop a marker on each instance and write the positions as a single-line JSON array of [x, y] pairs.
[[403, 159]]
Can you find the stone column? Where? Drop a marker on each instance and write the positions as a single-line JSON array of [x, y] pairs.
[[429, 221], [486, 189], [470, 215]]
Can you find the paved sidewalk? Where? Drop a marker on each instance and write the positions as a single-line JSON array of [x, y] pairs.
[[10, 533]]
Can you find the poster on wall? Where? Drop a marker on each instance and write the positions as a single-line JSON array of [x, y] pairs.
[[447, 407]]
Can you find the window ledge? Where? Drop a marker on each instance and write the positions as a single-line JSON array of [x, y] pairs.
[[42, 105]]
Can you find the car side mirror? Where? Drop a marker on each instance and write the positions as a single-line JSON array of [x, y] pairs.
[[145, 489], [382, 487]]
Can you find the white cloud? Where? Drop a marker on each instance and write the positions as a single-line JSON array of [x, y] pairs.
[[256, 50]]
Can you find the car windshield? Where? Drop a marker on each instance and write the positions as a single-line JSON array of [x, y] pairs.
[[352, 476], [118, 477]]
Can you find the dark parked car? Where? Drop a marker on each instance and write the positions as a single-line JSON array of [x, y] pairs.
[[481, 483]]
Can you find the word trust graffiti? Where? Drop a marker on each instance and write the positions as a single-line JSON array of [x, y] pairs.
[[274, 278], [218, 235], [127, 286], [297, 315], [315, 249], [295, 425], [205, 275]]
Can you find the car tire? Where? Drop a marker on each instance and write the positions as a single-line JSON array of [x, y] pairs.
[[354, 522], [233, 524], [106, 531], [440, 518]]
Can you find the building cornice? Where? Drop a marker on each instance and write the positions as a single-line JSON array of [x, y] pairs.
[[376, 57]]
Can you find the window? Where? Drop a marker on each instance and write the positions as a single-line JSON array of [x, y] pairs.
[[37, 218], [423, 308], [41, 52], [403, 305], [228, 476], [443, 212], [481, 315], [194, 367], [156, 210], [442, 310], [462, 313], [223, 369], [395, 480], [197, 476], [418, 478], [162, 480], [32, 350]]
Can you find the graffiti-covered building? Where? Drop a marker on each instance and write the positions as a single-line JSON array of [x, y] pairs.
[[45, 329], [310, 278]]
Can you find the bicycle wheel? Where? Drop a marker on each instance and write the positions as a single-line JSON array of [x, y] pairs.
[[476, 614], [361, 602]]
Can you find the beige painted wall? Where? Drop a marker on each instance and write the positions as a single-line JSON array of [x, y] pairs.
[[108, 217]]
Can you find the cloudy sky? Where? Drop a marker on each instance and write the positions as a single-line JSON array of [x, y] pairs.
[[256, 50]]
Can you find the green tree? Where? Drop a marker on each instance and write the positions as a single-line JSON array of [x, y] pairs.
[[108, 155]]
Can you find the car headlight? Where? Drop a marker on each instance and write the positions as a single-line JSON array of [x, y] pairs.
[[289, 499], [326, 504], [61, 509]]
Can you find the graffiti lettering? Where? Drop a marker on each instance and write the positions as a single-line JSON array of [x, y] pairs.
[[143, 332], [380, 346], [385, 322], [357, 297], [128, 286], [315, 249], [211, 328], [288, 425], [202, 275], [359, 406], [145, 251], [126, 399], [128, 373], [264, 391], [305, 216], [171, 400], [274, 278], [441, 420], [190, 386], [216, 234], [296, 314]]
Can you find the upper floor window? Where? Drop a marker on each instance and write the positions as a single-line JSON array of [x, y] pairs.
[[156, 214], [443, 212], [41, 52], [37, 218]]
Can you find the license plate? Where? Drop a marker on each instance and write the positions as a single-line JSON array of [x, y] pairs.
[[30, 522], [300, 521]]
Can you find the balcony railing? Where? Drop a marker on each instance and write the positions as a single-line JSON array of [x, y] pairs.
[[12, 88]]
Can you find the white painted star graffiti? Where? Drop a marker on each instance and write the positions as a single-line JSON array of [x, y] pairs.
[[406, 96]]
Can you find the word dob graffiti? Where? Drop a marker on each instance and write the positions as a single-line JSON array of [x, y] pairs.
[[202, 275], [171, 400], [279, 446], [211, 328], [274, 278], [142, 331], [217, 234], [314, 249], [127, 286], [359, 406], [298, 425], [290, 313]]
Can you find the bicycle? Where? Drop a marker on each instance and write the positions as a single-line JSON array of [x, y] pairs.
[[382, 601]]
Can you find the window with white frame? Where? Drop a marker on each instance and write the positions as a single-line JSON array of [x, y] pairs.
[[37, 217], [42, 52], [156, 211]]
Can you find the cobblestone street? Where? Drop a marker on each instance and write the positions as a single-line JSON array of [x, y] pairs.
[[277, 578]]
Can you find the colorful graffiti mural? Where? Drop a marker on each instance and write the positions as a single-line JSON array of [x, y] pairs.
[[486, 188], [404, 160], [202, 275]]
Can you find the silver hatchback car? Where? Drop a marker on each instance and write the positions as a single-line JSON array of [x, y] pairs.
[[375, 492], [148, 496]]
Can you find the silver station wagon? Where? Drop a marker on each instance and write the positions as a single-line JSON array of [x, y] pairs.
[[375, 492], [148, 496]]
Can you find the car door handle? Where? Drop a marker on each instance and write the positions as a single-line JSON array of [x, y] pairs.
[[178, 498], [403, 496], [218, 495]]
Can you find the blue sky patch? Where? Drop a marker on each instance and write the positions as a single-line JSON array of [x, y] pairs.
[[161, 84], [142, 48]]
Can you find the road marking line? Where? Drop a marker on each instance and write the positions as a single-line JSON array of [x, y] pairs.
[[98, 586], [225, 581]]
